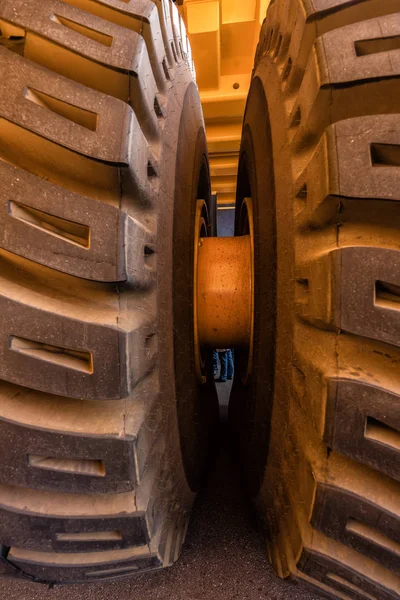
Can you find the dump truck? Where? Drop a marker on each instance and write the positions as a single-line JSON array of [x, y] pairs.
[[115, 289]]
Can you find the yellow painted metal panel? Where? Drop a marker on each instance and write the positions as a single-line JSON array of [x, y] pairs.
[[202, 16], [237, 47], [204, 46], [223, 165], [237, 11], [231, 87]]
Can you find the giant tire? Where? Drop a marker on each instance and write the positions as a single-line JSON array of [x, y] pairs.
[[104, 436], [318, 426]]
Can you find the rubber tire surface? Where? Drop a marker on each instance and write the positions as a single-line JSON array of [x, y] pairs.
[[319, 424], [96, 481]]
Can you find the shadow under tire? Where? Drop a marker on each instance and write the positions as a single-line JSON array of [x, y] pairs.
[[317, 426]]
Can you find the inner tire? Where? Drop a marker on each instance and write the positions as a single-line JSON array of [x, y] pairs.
[[317, 427], [102, 436]]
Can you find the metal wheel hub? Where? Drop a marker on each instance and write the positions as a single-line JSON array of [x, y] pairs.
[[223, 289]]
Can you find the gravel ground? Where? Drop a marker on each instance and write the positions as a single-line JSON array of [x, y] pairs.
[[223, 557]]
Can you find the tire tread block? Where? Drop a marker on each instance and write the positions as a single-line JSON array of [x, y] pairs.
[[110, 140], [117, 456], [370, 87], [364, 526], [47, 533], [82, 567], [350, 405], [357, 271], [345, 578], [100, 261], [51, 373]]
